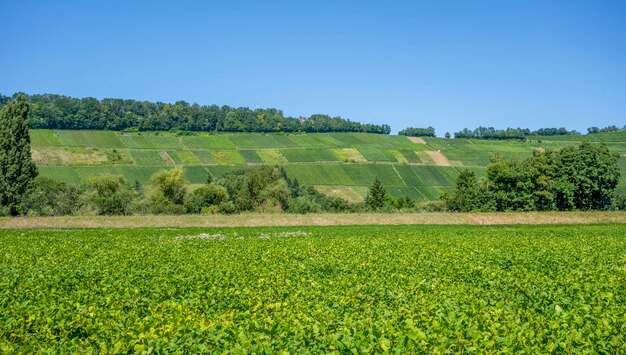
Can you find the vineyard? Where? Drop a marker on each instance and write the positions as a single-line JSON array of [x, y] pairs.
[[338, 163], [525, 289]]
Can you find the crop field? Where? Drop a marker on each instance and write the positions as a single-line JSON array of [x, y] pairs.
[[341, 161], [350, 289]]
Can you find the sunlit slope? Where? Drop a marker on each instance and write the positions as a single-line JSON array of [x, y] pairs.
[[342, 164]]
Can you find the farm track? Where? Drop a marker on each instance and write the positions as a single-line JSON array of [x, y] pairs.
[[260, 219]]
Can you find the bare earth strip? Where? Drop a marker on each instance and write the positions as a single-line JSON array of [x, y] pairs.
[[258, 219], [166, 158], [417, 140], [438, 158]]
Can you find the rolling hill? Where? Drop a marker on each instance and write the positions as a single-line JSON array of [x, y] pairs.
[[340, 164]]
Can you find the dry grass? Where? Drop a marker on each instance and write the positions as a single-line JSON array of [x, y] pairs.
[[166, 158], [417, 140], [259, 219], [350, 155], [438, 158], [63, 156]]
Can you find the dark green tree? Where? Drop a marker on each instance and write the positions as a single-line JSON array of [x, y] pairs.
[[17, 169], [376, 196], [593, 173], [467, 195]]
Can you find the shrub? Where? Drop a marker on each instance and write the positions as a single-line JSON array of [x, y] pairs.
[[172, 184], [48, 197], [110, 195], [207, 195], [227, 207]]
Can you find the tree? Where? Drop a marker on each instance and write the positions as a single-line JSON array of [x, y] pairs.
[[205, 196], [466, 196], [172, 184], [593, 173], [110, 195], [417, 132], [376, 195], [447, 135], [17, 169], [48, 197]]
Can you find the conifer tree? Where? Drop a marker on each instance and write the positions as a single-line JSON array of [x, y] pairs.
[[376, 195], [17, 169]]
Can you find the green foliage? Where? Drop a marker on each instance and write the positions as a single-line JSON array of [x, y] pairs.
[[418, 132], [511, 133], [110, 195], [358, 289], [467, 195], [262, 188], [593, 173], [171, 184], [582, 177], [62, 112], [619, 203], [17, 169], [48, 197], [376, 196], [205, 196]]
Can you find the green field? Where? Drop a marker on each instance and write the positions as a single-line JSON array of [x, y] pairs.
[[346, 161], [359, 289]]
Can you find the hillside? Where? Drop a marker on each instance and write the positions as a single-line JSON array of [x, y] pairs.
[[341, 164]]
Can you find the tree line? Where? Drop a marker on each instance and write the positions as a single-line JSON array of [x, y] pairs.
[[417, 132], [522, 133], [61, 112], [252, 189], [582, 177]]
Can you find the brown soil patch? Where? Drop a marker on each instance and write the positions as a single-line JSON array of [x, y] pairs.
[[166, 158], [418, 140], [438, 158]]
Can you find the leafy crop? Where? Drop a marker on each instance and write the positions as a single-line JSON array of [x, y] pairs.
[[533, 289]]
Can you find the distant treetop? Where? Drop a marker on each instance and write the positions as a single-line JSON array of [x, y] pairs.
[[511, 133], [418, 132], [61, 112]]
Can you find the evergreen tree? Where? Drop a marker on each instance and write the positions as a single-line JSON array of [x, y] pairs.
[[376, 195], [17, 169]]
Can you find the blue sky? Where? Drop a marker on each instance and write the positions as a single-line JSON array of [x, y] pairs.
[[449, 64]]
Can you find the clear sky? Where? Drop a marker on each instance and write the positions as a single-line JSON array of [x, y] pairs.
[[449, 64]]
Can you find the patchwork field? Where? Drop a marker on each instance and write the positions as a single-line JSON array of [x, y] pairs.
[[358, 289], [341, 164]]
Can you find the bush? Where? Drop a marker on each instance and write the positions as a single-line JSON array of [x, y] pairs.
[[227, 207], [619, 203], [303, 205], [208, 195], [48, 197], [110, 195], [172, 184]]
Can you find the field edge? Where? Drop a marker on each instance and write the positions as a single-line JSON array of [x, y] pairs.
[[322, 219]]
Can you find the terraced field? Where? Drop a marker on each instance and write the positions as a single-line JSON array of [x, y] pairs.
[[342, 164]]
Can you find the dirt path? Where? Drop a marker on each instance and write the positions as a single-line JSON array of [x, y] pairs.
[[438, 158], [258, 219]]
